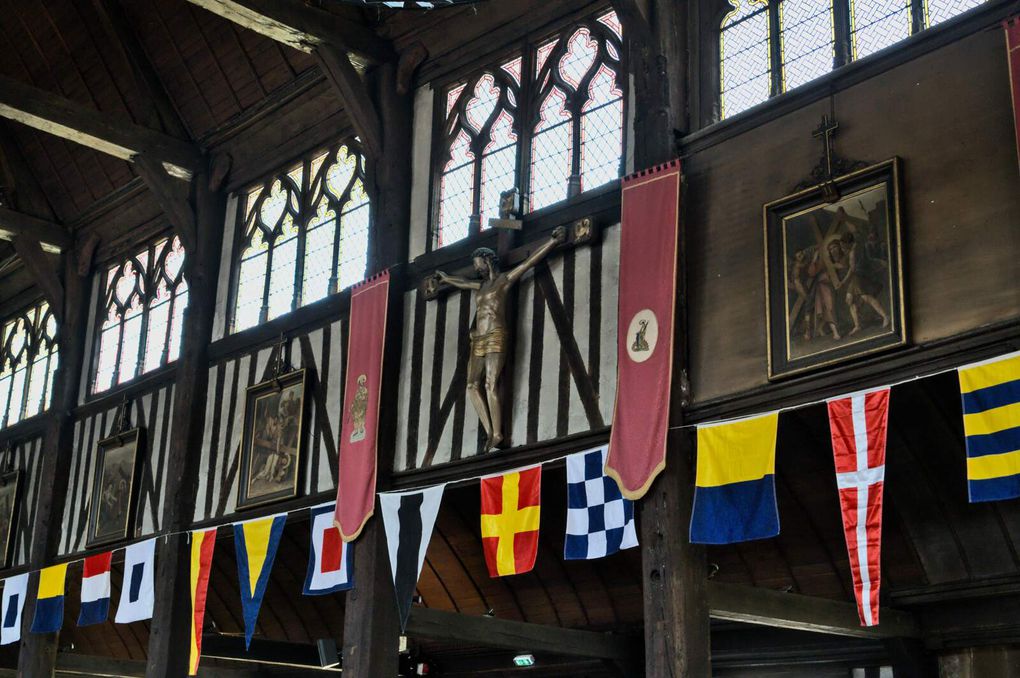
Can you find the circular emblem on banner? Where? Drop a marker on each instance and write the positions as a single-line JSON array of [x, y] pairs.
[[642, 335]]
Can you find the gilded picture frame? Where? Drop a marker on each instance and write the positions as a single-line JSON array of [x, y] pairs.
[[272, 441], [834, 284], [10, 488], [114, 484]]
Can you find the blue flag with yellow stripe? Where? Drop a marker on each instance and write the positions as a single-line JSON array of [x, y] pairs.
[[735, 489], [255, 542], [991, 423]]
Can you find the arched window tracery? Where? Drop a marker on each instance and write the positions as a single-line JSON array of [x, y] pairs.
[[28, 363]]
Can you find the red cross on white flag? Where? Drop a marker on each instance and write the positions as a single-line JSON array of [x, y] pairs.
[[858, 424]]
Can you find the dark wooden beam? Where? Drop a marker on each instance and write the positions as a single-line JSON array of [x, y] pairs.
[[146, 80], [53, 238], [492, 632], [101, 131], [22, 191], [172, 196], [301, 26], [635, 24], [752, 605], [348, 83], [44, 270]]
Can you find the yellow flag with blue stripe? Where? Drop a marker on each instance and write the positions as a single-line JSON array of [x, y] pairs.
[[256, 542], [991, 423], [735, 488], [49, 601]]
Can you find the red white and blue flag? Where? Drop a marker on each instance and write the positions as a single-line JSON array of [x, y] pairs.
[[95, 589], [858, 424], [330, 558]]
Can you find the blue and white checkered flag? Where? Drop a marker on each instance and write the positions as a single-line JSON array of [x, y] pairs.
[[600, 521]]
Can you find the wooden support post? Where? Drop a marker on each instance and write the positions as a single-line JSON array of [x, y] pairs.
[[169, 634], [38, 653]]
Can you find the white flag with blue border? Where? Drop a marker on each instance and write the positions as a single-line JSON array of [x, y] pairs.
[[15, 592], [137, 590], [600, 521]]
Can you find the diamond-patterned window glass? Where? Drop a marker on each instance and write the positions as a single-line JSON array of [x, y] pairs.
[[480, 149], [877, 24], [142, 311], [937, 11], [28, 362], [577, 122], [744, 69], [807, 40], [305, 235]]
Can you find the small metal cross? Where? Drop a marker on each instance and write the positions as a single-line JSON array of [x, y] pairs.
[[825, 132]]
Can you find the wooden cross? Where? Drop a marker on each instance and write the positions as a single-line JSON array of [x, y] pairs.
[[825, 132]]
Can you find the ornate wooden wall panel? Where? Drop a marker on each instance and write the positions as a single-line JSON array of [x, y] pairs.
[[27, 458], [437, 424], [151, 411], [320, 351]]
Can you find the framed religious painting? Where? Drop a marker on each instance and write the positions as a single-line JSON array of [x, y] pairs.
[[9, 486], [271, 442], [834, 271], [114, 484]]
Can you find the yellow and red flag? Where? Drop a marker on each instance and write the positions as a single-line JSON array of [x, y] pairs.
[[510, 515], [202, 544]]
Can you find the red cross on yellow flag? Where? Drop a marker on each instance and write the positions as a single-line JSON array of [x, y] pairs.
[[510, 515]]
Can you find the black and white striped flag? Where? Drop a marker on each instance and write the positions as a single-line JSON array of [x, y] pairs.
[[408, 518]]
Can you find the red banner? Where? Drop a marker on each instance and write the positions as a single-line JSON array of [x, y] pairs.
[[1012, 27], [650, 207], [858, 425], [355, 487]]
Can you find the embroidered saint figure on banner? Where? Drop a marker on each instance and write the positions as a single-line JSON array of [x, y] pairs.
[[489, 332], [359, 407]]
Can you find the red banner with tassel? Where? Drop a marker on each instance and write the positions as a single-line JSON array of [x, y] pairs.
[[650, 208], [355, 493]]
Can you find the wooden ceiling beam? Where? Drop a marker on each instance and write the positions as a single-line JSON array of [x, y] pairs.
[[766, 607], [491, 632], [349, 84], [52, 237], [173, 199], [302, 26], [146, 79], [103, 132], [44, 271]]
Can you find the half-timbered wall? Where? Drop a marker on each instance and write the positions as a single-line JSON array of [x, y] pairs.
[[437, 424], [151, 411], [320, 351], [27, 460], [947, 114]]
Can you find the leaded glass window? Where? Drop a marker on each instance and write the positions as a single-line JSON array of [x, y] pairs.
[[142, 313], [28, 362], [547, 120], [304, 235], [767, 47]]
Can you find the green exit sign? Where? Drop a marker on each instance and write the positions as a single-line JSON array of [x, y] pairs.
[[524, 660]]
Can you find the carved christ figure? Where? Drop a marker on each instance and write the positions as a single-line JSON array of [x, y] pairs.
[[489, 331]]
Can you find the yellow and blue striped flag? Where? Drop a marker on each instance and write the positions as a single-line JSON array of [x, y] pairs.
[[735, 489], [49, 602], [256, 542], [991, 424]]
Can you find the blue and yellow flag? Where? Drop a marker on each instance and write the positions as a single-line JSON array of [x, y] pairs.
[[49, 601], [991, 423], [256, 542], [735, 489]]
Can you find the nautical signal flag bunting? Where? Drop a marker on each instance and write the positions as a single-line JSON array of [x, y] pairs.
[[330, 558], [735, 489], [203, 543], [95, 589], [255, 542], [991, 423], [511, 504], [49, 603]]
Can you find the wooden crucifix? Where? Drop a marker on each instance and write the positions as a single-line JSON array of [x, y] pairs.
[[825, 132]]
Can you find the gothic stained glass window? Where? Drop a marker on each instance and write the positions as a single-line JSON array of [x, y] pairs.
[[568, 137], [305, 235], [28, 362], [577, 122], [480, 161], [744, 65], [754, 67], [142, 314]]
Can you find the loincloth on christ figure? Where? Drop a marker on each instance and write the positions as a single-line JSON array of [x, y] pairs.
[[493, 341]]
